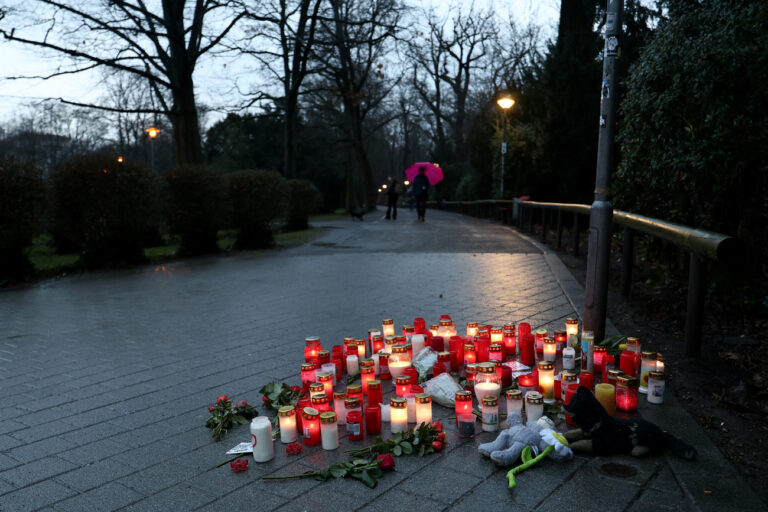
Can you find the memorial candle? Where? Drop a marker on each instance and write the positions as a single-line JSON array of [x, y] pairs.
[[571, 327], [606, 395], [417, 342], [369, 340], [569, 392], [387, 327], [510, 343], [587, 350], [329, 430], [514, 403], [353, 365], [377, 343], [398, 415], [384, 366], [659, 363], [487, 382], [413, 374], [463, 402], [423, 408], [549, 350], [307, 375], [373, 419], [338, 405], [569, 358], [540, 335], [326, 379], [600, 356], [374, 392], [389, 342], [321, 403], [402, 385], [656, 387], [303, 402], [547, 380], [490, 413], [311, 347], [471, 372], [316, 388], [526, 383], [566, 379], [633, 344], [495, 352], [471, 329], [419, 324], [261, 435], [438, 368], [482, 346], [627, 362], [360, 347], [470, 357], [497, 334], [408, 331], [527, 355], [456, 344], [354, 391], [331, 369], [445, 358], [612, 376], [587, 379], [433, 329], [561, 341], [534, 407], [355, 429], [323, 357], [366, 376], [398, 360], [287, 419], [647, 365], [626, 393], [310, 420], [466, 425], [438, 343]]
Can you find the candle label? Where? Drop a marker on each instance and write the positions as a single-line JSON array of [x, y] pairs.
[[656, 391], [490, 418], [568, 360], [353, 428], [307, 432]]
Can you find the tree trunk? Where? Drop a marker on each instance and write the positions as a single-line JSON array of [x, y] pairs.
[[289, 139], [363, 164], [186, 129]]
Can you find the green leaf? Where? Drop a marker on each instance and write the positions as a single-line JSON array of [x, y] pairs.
[[421, 450], [360, 462], [398, 437], [416, 440], [368, 479], [397, 450], [407, 447], [338, 472], [526, 456]]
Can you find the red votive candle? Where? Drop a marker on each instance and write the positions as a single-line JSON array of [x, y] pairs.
[[366, 376], [437, 344], [339, 368], [626, 393], [323, 356], [307, 375], [470, 357], [495, 352], [587, 379], [509, 339], [419, 324], [527, 355], [384, 367], [402, 385], [321, 403], [355, 391], [454, 356], [599, 356], [523, 328], [482, 346], [373, 419], [569, 392], [628, 363], [471, 372], [300, 405], [561, 339], [558, 389], [437, 369], [377, 343], [310, 426], [311, 347], [463, 403], [337, 352], [374, 392], [355, 430], [527, 382], [541, 335], [445, 358], [506, 376], [412, 373], [456, 344]]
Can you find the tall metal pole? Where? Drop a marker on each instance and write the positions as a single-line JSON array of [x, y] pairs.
[[503, 150], [601, 217]]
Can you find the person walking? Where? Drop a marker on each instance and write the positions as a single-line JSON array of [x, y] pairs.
[[392, 193], [420, 190]]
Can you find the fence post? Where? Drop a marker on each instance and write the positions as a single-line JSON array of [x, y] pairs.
[[530, 219], [544, 220], [559, 229], [627, 256], [695, 314], [575, 234]]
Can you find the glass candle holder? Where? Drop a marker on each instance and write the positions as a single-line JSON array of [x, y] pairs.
[[647, 365], [490, 414], [323, 357], [377, 343], [527, 383], [438, 368], [355, 430], [321, 403], [366, 376], [350, 345], [418, 342], [587, 350], [419, 323], [373, 419], [570, 391], [360, 348], [445, 358], [587, 379], [626, 393], [569, 358], [612, 376], [606, 395], [310, 420], [514, 403], [389, 342], [470, 357], [311, 347], [660, 363], [471, 373], [316, 388], [656, 386], [482, 346], [456, 344], [331, 369], [566, 379], [338, 405], [466, 425], [263, 444], [329, 430], [355, 391], [599, 354], [571, 327], [374, 392], [506, 374], [326, 379], [495, 352], [527, 348], [471, 329], [463, 403], [339, 363], [307, 375], [367, 363], [398, 360], [423, 408], [369, 339], [384, 366], [402, 385], [549, 351], [487, 382], [408, 331], [287, 419], [534, 407], [561, 341], [523, 328], [353, 364], [509, 340], [633, 344], [497, 334], [387, 327], [398, 414], [437, 343], [303, 402], [547, 379], [498, 365], [433, 329], [410, 399], [628, 362], [541, 335]]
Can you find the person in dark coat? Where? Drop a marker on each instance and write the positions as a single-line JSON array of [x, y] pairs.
[[392, 193], [420, 189]]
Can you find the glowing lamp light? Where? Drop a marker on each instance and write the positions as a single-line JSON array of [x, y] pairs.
[[387, 327], [659, 363], [495, 352], [472, 329], [463, 403], [547, 380], [572, 327], [527, 383], [406, 183], [310, 420], [384, 187], [505, 102], [509, 342], [561, 340], [398, 416], [487, 381], [600, 357], [153, 132], [287, 420], [360, 348], [120, 159], [433, 329], [496, 334]]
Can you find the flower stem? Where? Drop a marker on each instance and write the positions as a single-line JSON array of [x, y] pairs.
[[232, 459], [303, 475]]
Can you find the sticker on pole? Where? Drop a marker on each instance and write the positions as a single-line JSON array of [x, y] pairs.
[[503, 148], [611, 46]]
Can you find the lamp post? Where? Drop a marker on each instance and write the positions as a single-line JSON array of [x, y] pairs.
[[505, 102], [152, 133]]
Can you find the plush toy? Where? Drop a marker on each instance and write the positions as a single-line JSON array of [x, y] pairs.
[[530, 443]]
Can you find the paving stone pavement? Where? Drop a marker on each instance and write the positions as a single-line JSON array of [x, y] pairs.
[[106, 377]]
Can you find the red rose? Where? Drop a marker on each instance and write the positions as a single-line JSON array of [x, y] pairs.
[[210, 408], [222, 398], [239, 465], [437, 445], [245, 404], [437, 426], [293, 448], [295, 389], [441, 436], [264, 399], [386, 461]]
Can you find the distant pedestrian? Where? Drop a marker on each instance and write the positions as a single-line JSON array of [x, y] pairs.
[[392, 192], [420, 189]]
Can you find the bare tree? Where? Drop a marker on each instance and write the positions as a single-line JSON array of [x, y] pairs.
[[290, 26], [160, 45]]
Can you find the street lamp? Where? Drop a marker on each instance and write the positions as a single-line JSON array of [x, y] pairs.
[[505, 102], [152, 133]]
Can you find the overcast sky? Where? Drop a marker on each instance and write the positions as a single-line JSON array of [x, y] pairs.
[[16, 60]]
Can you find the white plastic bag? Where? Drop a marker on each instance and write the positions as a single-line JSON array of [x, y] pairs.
[[443, 389]]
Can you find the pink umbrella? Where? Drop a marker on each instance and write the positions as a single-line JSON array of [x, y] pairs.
[[433, 172]]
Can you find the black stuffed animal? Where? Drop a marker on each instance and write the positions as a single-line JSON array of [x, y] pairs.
[[601, 434]]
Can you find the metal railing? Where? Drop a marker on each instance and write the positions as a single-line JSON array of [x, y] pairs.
[[701, 244]]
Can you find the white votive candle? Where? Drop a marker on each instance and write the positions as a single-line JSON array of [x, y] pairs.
[[261, 436], [484, 389], [411, 408], [417, 343], [329, 431], [329, 368], [423, 408], [353, 364], [396, 368], [398, 415], [287, 418], [385, 413]]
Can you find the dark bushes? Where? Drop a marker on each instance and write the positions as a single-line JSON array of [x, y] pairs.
[[303, 199], [21, 196], [195, 204], [257, 199], [104, 209]]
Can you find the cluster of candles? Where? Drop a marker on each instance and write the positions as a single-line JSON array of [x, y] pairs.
[[479, 355]]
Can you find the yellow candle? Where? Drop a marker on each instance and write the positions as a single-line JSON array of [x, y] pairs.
[[606, 395], [547, 380]]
